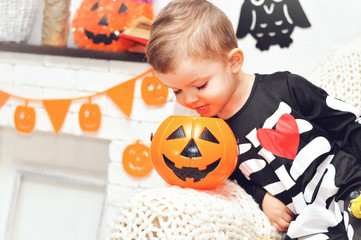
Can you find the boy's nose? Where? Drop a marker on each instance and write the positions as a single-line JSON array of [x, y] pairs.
[[190, 99]]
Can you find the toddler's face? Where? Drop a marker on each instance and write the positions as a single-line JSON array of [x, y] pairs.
[[205, 86]]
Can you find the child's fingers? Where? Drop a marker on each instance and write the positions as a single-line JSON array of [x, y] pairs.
[[287, 217]]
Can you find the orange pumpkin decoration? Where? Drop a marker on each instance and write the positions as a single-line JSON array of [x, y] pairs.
[[98, 23], [154, 92], [24, 119], [194, 152], [89, 117], [136, 160]]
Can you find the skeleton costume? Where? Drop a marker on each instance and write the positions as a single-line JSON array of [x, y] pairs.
[[303, 147]]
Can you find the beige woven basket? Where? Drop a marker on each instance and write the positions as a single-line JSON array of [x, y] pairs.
[[17, 19]]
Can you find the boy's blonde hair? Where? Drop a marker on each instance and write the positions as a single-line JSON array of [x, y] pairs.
[[189, 29]]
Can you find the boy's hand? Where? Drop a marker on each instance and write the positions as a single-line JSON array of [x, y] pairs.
[[278, 213]]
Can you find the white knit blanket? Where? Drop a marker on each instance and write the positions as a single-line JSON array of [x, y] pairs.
[[226, 212], [340, 73]]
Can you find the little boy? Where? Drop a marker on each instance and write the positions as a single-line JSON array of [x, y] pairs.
[[300, 149]]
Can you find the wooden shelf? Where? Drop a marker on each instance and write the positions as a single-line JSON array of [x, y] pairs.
[[72, 52]]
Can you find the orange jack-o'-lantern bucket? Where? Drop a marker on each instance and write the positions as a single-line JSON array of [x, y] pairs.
[[194, 152]]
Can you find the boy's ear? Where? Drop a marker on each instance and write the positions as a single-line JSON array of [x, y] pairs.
[[235, 59]]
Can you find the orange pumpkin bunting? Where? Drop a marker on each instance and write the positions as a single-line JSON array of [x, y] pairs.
[[98, 23], [136, 160], [154, 92], [89, 117], [24, 119], [195, 152]]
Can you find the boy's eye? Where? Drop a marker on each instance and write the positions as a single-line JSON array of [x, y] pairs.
[[203, 86], [177, 92]]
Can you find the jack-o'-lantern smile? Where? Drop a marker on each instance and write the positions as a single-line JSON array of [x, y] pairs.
[[191, 172], [102, 38]]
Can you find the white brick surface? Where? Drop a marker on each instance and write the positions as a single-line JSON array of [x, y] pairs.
[[124, 67], [6, 72], [116, 148]]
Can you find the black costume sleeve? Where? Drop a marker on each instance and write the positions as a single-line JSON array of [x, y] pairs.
[[341, 125], [251, 188]]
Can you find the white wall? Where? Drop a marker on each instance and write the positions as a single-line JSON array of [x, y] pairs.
[[334, 23]]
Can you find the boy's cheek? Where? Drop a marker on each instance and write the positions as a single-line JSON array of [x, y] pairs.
[[181, 101]]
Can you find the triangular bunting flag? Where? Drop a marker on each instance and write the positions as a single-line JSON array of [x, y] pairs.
[[3, 98], [123, 96], [57, 110]]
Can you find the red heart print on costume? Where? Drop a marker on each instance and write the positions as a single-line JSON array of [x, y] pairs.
[[283, 141]]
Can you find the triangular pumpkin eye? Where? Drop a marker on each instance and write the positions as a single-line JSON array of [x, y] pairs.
[[208, 136], [122, 9], [179, 133], [95, 7], [103, 21]]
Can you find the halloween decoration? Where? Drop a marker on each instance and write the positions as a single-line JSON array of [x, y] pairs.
[[89, 117], [122, 96], [154, 92], [3, 98], [57, 110], [136, 160], [97, 24], [271, 22], [24, 118], [195, 152]]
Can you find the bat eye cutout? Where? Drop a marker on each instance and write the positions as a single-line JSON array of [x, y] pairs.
[[257, 2], [179, 133], [208, 136]]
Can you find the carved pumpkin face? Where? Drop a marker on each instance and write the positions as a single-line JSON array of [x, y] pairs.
[[136, 160], [89, 117], [98, 23], [154, 92], [24, 119], [195, 152]]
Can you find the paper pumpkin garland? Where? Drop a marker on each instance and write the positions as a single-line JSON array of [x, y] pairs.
[[89, 114], [57, 110], [3, 98], [154, 92], [136, 160], [194, 152], [89, 117], [98, 23], [24, 118]]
